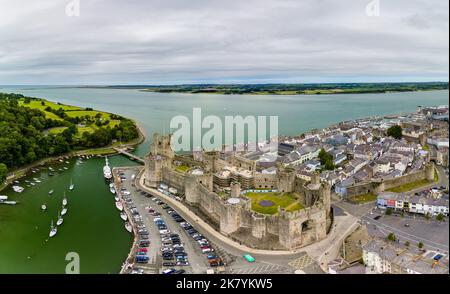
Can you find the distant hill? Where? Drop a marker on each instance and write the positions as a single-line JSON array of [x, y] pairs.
[[289, 89]]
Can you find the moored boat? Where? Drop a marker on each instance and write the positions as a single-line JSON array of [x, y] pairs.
[[123, 216], [64, 201], [119, 205], [128, 227], [18, 189], [107, 170], [60, 220], [64, 210], [53, 230]]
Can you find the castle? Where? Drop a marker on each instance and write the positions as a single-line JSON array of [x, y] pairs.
[[215, 184]]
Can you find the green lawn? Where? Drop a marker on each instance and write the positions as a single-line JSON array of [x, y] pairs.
[[364, 198], [91, 113], [182, 168], [37, 104], [410, 186], [57, 130], [286, 201]]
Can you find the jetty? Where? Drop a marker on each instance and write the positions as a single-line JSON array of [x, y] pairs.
[[128, 154]]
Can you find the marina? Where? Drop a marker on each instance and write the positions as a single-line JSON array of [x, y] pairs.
[[89, 206]]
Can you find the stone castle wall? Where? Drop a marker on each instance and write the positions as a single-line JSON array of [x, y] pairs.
[[377, 187]]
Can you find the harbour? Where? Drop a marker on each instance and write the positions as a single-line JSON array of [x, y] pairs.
[[92, 226]]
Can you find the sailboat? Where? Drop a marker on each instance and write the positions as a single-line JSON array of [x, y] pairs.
[[60, 220], [53, 230], [64, 201], [64, 210], [71, 187]]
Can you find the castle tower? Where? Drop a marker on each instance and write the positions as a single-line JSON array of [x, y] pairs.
[[230, 218], [153, 170], [210, 159], [429, 170], [235, 189], [190, 189], [285, 179], [161, 145]]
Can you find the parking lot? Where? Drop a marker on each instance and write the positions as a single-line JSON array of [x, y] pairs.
[[434, 234], [174, 244]]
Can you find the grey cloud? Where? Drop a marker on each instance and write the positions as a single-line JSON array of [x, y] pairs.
[[221, 41]]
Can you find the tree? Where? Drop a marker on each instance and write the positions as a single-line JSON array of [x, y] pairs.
[[391, 237], [388, 211], [326, 160], [395, 132], [420, 245], [407, 243], [3, 172], [440, 217]]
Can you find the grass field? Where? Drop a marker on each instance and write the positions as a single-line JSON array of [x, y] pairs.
[[71, 111], [57, 130], [286, 201], [364, 198], [37, 104], [182, 168], [415, 185]]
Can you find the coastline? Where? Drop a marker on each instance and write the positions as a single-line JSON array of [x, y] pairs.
[[285, 94], [107, 150]]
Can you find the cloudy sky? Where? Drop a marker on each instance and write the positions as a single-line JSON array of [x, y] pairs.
[[203, 41]]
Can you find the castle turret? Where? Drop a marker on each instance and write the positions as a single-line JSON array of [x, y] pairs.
[[153, 170], [286, 179], [235, 189]]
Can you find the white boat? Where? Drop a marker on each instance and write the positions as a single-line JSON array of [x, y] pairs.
[[107, 170], [66, 168], [53, 230], [112, 190], [33, 184], [128, 227], [119, 205], [123, 216], [116, 198], [111, 185], [72, 186], [3, 198], [64, 201], [44, 207], [9, 202], [18, 189], [64, 210], [50, 192], [60, 220]]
